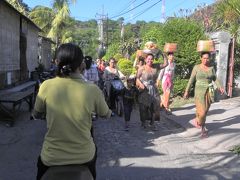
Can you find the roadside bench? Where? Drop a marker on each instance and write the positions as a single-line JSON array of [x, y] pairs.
[[11, 100]]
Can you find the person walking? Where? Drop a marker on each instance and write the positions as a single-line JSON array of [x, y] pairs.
[[149, 97], [68, 102], [166, 76], [129, 95], [110, 73], [91, 71], [202, 76]]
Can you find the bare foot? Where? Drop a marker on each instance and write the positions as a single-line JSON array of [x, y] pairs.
[[195, 123]]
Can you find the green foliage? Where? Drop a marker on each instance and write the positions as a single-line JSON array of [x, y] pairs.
[[112, 50], [186, 34], [20, 6], [226, 16], [237, 61], [236, 150], [152, 32], [118, 56], [54, 21], [125, 66], [179, 86]]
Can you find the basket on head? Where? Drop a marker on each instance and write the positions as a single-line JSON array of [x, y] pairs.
[[170, 47], [205, 46]]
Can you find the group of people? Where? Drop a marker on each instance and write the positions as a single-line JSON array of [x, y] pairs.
[[69, 100], [203, 76]]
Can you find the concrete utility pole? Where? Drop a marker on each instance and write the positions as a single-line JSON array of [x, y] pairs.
[[102, 20], [163, 12]]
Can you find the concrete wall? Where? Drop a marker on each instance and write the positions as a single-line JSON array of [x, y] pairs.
[[45, 54], [32, 48], [9, 39], [9, 45], [10, 22], [222, 40]]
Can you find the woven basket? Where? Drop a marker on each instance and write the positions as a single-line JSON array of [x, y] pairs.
[[205, 46], [170, 47]]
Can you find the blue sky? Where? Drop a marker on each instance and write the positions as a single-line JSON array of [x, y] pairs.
[[87, 9]]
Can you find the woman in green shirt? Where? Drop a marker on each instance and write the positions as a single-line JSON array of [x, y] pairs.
[[202, 75], [68, 102]]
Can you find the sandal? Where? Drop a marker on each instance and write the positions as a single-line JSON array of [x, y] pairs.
[[204, 134], [168, 111]]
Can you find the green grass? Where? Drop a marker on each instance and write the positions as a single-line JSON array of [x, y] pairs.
[[179, 101], [236, 150]]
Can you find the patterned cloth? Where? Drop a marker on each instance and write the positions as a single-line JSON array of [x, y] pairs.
[[166, 75], [202, 79], [92, 74], [149, 97]]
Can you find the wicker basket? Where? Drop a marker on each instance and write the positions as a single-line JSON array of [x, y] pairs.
[[170, 47], [205, 46]]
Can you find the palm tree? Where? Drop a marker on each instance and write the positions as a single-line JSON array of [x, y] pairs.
[[227, 16], [53, 21]]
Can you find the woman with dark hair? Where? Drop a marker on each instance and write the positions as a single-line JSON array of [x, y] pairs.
[[68, 102], [202, 75], [110, 73], [91, 72], [149, 98]]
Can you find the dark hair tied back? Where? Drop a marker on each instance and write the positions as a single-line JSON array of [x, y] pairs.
[[66, 70], [88, 61], [69, 57]]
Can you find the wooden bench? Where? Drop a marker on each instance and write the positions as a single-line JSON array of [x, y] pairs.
[[15, 96]]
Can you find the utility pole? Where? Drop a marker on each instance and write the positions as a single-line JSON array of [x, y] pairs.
[[102, 20], [132, 6], [163, 18]]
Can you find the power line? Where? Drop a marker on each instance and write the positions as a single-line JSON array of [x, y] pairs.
[[171, 9], [129, 10], [127, 5], [142, 12]]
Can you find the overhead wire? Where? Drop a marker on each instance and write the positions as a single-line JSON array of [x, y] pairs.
[[129, 10], [144, 11], [171, 9], [126, 6]]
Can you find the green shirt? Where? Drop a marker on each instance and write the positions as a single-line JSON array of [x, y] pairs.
[[68, 104], [202, 79]]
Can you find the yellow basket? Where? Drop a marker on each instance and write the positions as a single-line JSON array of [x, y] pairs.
[[205, 46], [170, 47]]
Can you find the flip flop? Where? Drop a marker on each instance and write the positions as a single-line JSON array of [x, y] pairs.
[[204, 134]]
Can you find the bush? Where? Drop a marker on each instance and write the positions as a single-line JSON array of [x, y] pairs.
[[112, 50], [236, 149], [125, 66], [179, 86], [186, 34]]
